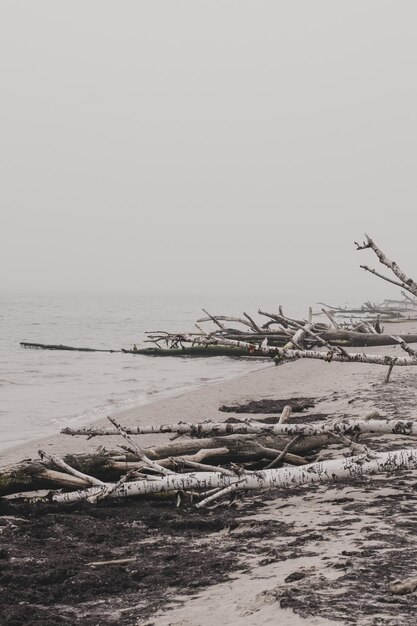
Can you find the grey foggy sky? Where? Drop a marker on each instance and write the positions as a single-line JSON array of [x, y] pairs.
[[206, 145]]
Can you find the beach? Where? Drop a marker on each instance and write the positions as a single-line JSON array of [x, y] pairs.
[[314, 555]]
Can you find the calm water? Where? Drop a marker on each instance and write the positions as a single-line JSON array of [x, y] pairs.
[[43, 391]]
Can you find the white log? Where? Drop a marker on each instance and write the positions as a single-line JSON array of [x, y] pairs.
[[351, 357], [297, 340], [350, 426], [285, 477]]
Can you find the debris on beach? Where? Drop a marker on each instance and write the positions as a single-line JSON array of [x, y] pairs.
[[212, 475], [218, 459], [285, 339]]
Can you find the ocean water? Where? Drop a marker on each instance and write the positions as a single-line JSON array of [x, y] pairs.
[[43, 391]]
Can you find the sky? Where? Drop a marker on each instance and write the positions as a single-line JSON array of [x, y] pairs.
[[214, 146]]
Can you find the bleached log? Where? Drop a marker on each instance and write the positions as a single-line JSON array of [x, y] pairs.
[[299, 336], [350, 426], [352, 357], [283, 478]]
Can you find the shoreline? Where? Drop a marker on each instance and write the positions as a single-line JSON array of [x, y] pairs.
[[11, 452], [201, 402], [295, 556]]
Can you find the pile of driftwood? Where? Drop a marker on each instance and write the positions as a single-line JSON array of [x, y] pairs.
[[389, 310], [243, 336], [216, 459], [285, 339]]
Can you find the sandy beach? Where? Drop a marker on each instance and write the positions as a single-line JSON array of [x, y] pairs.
[[317, 555]]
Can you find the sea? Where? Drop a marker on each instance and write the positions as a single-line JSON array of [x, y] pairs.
[[43, 391]]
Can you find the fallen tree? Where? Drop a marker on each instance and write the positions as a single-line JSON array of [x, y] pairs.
[[349, 427], [283, 478]]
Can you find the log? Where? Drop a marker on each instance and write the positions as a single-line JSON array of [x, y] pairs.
[[364, 339], [33, 474], [349, 426], [30, 475], [198, 351], [253, 452], [46, 346], [353, 357], [283, 478], [243, 447]]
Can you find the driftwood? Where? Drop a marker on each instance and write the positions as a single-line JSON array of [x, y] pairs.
[[45, 346], [197, 351], [269, 405], [352, 426], [30, 475], [404, 281], [283, 478], [35, 474], [282, 353]]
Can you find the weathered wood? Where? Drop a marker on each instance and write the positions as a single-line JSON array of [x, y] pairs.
[[406, 282], [269, 405], [35, 474], [198, 351], [283, 478], [45, 346], [348, 426], [243, 447], [30, 475], [282, 353]]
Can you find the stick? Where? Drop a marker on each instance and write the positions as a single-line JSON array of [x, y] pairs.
[[408, 283], [114, 562], [60, 463], [331, 318], [389, 280], [140, 453], [405, 346], [282, 454], [219, 493]]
